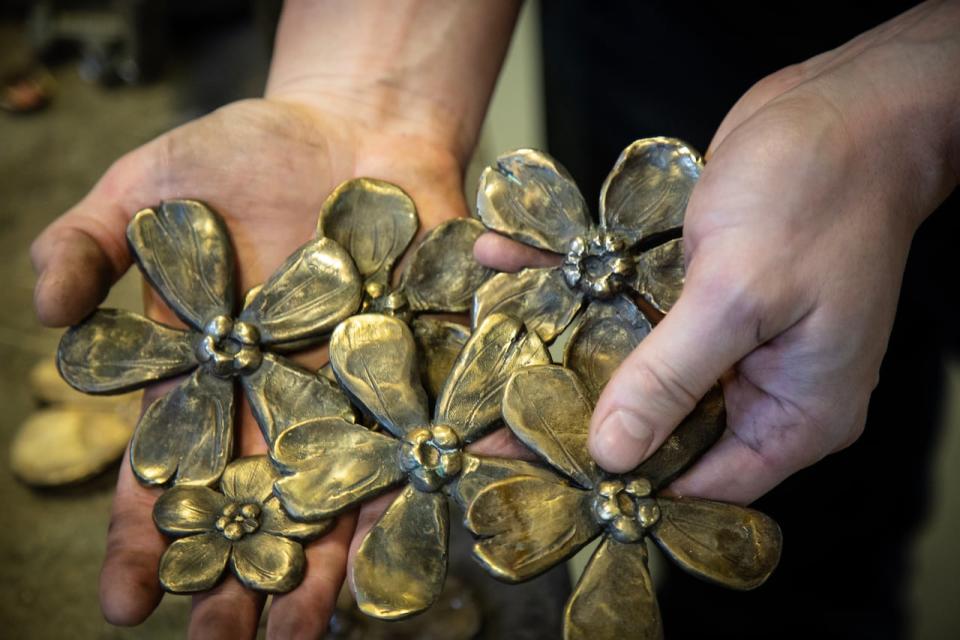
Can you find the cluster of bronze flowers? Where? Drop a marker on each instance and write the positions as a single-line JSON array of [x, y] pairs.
[[334, 445]]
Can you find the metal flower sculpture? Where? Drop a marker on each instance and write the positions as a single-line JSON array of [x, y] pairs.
[[333, 465], [635, 251], [184, 251], [242, 525], [376, 221], [528, 523]]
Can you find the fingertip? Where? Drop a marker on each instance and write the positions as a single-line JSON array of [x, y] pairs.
[[129, 589], [620, 441], [74, 277]]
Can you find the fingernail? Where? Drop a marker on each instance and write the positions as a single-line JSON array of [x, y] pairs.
[[622, 441]]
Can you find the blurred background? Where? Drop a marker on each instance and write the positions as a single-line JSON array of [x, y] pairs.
[[81, 86]]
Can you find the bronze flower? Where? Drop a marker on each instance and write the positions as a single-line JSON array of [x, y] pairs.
[[528, 523], [635, 252], [333, 465], [242, 525]]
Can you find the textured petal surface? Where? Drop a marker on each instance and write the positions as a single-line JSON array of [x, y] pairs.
[[114, 351], [317, 287], [249, 479], [375, 359], [538, 297], [438, 343], [194, 564], [187, 435], [529, 524], [724, 543], [647, 191], [470, 400], [373, 220], [273, 519], [442, 274], [549, 409], [265, 562], [400, 566], [660, 274], [184, 250], [530, 197], [614, 598], [188, 509], [481, 471]]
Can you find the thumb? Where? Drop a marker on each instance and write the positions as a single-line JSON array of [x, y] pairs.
[[662, 380], [77, 258]]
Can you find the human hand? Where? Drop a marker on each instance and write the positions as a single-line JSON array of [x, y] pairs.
[[795, 238]]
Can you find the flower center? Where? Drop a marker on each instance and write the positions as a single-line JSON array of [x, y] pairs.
[[377, 298], [229, 347], [238, 519], [431, 456], [625, 508], [599, 264]]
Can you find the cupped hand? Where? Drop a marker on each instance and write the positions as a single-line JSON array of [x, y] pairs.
[[266, 166], [795, 238]]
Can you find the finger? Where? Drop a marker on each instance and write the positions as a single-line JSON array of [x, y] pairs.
[[129, 588], [503, 254], [229, 611], [305, 611]]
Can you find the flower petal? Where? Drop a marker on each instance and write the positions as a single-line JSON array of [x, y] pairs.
[[337, 465], [265, 562], [549, 409], [530, 197], [374, 357], [660, 274], [249, 479], [114, 350], [724, 543], [282, 394], [540, 298], [317, 287], [194, 564], [184, 250], [401, 564], [470, 399], [373, 220], [697, 433], [442, 274], [188, 509], [615, 597], [481, 471], [647, 191], [273, 519], [603, 336], [438, 343], [528, 525], [186, 435]]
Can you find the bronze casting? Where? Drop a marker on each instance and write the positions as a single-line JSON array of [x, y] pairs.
[[529, 523], [241, 525], [333, 465], [634, 252]]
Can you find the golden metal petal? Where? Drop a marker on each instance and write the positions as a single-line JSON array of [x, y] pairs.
[[187, 435], [603, 336], [481, 471], [188, 509], [374, 357], [688, 442], [114, 351], [660, 274], [549, 409], [727, 544], [195, 563], [249, 479], [184, 250], [615, 597], [336, 466], [439, 343], [442, 274], [317, 287], [273, 519], [373, 220], [470, 400], [529, 524], [647, 191], [401, 564], [269, 563], [282, 394], [540, 298], [530, 197]]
